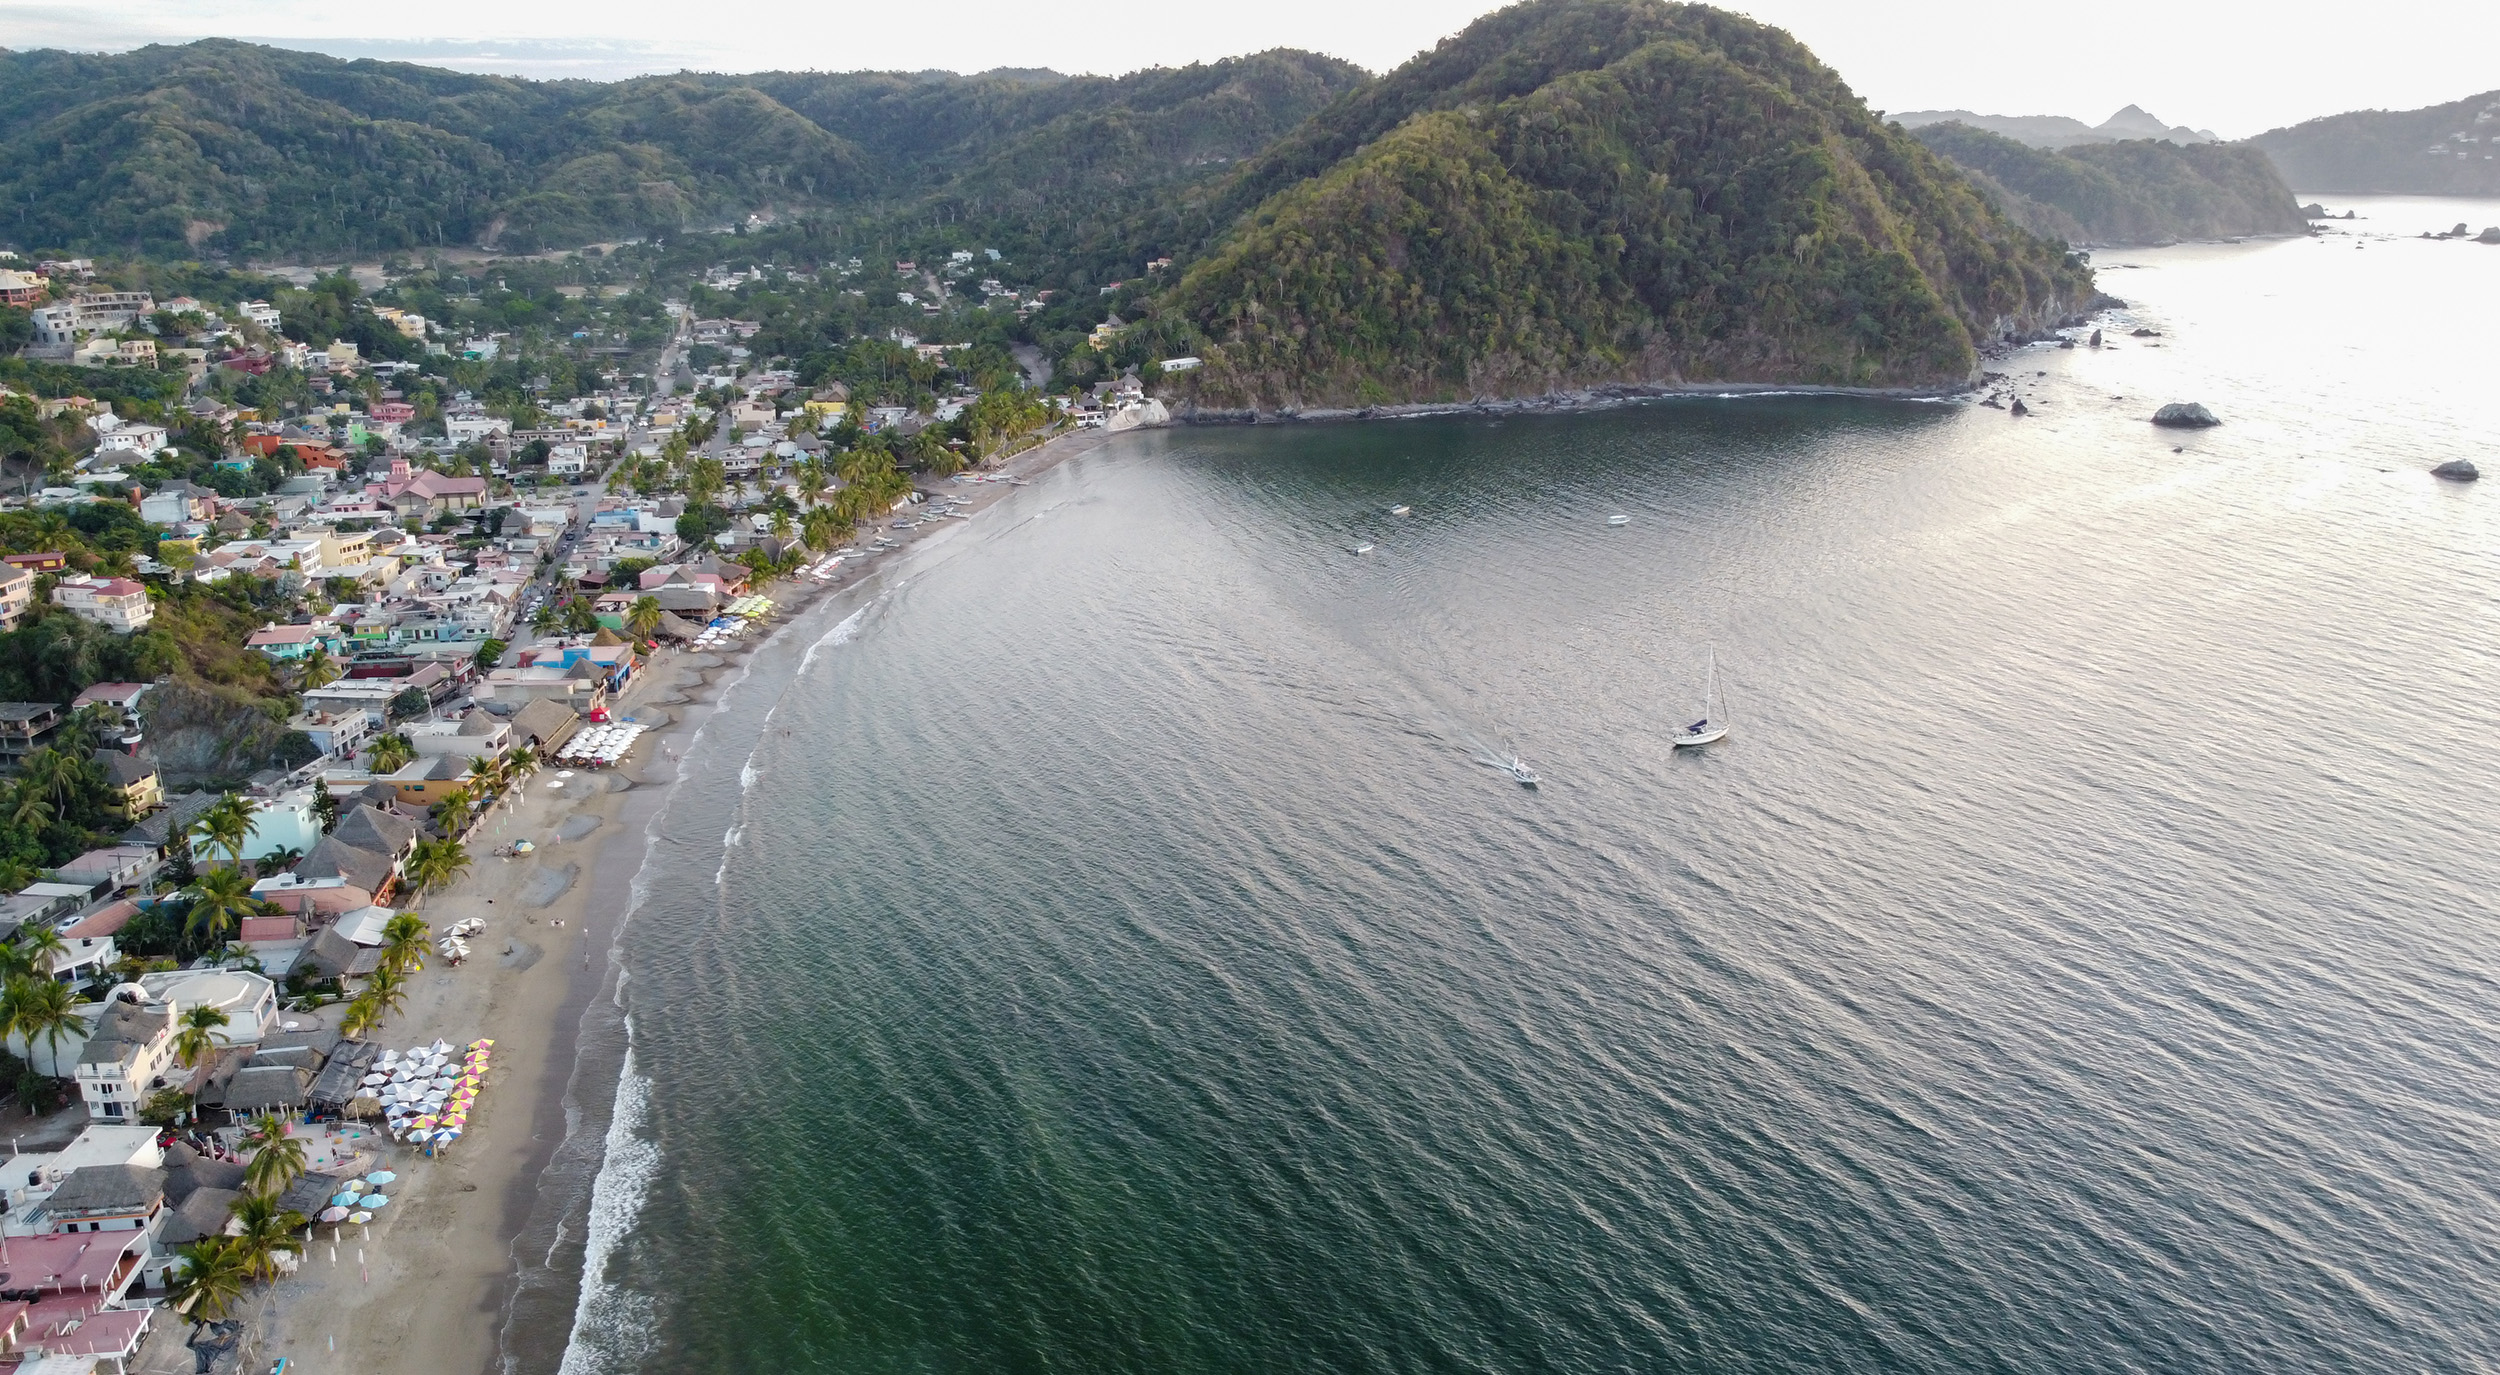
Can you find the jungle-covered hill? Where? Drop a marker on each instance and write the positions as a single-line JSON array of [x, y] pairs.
[[2134, 192], [2440, 150], [229, 148], [1586, 192]]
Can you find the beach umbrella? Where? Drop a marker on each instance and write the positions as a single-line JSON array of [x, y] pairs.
[[342, 1200], [353, 1186], [360, 1219], [376, 1200], [380, 1177], [481, 1044], [423, 1120], [372, 1079], [333, 1214]]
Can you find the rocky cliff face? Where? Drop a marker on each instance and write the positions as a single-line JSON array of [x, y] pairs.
[[208, 736]]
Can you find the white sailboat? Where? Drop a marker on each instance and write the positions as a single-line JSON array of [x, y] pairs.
[[1708, 728]]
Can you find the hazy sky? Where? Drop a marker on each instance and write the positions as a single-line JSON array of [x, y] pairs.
[[2235, 68]]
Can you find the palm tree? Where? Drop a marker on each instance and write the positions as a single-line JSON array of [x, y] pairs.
[[40, 1009], [268, 1230], [278, 1162], [452, 813], [221, 898], [403, 943], [388, 988], [436, 862], [197, 1039], [44, 950], [278, 860], [391, 753], [486, 772], [317, 669], [642, 620], [363, 1014], [227, 826], [812, 481], [520, 760], [210, 1278]]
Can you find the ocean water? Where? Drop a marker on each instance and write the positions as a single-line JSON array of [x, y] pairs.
[[1119, 955]]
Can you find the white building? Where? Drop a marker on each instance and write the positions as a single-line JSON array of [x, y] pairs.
[[261, 313], [128, 1056], [465, 428], [115, 603], [30, 1177]]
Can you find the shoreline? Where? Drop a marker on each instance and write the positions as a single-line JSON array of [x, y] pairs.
[[547, 1230], [1550, 403], [475, 1266]]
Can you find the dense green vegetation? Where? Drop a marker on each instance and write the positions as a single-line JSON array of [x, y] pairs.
[[1578, 192], [230, 147], [2441, 150], [2137, 191]]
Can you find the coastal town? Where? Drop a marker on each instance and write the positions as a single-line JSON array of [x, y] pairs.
[[336, 610]]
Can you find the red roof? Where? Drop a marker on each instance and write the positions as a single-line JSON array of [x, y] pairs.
[[280, 635], [107, 920], [111, 1333], [66, 1261], [265, 929]]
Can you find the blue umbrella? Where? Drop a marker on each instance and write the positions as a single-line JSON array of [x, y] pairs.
[[373, 1200], [343, 1200], [380, 1177]]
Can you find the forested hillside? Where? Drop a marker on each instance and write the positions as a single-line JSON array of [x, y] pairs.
[[2136, 192], [1579, 192], [2444, 150], [231, 148]]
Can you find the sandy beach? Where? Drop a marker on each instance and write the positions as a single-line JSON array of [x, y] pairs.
[[423, 1288]]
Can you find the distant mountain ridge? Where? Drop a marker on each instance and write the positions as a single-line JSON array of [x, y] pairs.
[[220, 146], [2139, 191], [2060, 131], [2440, 150]]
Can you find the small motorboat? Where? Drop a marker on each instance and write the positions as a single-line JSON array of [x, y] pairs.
[[1518, 768], [1618, 520], [1364, 548], [1400, 511]]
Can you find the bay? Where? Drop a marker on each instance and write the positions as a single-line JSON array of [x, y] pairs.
[[1118, 953]]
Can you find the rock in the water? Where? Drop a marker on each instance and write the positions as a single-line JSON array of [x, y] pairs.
[[2096, 338], [2185, 415], [2457, 470], [2313, 211], [2146, 333], [2490, 234], [2019, 408]]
